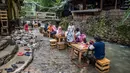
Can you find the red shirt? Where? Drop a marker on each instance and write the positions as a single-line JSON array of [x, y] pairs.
[[26, 27]]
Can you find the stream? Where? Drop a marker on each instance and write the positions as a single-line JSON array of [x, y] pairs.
[[119, 56]]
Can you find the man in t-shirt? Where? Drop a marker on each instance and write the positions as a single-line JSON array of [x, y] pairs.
[[99, 48]]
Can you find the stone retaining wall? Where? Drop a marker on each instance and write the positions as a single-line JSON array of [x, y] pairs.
[[108, 26]]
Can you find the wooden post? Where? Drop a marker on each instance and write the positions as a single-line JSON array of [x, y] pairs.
[[115, 4], [84, 4], [101, 4]]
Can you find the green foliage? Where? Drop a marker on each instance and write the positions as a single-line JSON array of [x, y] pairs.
[[124, 31], [126, 16], [22, 13], [64, 23], [47, 3], [58, 2]]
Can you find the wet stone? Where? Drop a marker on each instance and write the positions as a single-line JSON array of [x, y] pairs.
[[18, 38]]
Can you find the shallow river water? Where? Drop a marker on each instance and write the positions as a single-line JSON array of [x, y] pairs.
[[119, 56]]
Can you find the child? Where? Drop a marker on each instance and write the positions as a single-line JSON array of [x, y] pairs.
[[82, 38], [26, 27], [77, 32]]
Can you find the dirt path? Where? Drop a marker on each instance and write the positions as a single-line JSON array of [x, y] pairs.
[[52, 60]]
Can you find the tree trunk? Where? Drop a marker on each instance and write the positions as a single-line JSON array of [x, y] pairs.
[[9, 10], [84, 4]]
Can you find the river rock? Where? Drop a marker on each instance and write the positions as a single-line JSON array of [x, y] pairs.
[[18, 41]]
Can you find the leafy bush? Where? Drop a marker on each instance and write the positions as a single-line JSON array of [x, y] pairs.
[[64, 23]]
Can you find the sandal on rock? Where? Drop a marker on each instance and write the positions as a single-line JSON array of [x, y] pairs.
[[20, 53], [27, 53], [14, 66], [9, 69], [20, 62]]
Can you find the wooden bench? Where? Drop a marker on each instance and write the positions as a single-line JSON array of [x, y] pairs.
[[103, 65]]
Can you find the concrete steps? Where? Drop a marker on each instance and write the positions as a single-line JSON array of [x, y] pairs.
[[26, 59], [3, 44], [7, 54]]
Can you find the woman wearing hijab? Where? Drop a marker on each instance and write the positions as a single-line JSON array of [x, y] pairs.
[[59, 31], [70, 33]]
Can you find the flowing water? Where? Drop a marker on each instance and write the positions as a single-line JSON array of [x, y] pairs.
[[119, 56]]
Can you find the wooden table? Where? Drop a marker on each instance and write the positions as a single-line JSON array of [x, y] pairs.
[[78, 47], [59, 37]]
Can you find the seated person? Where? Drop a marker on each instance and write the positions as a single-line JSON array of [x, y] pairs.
[[59, 31], [99, 48], [52, 29], [81, 38], [77, 34], [46, 27], [49, 28]]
